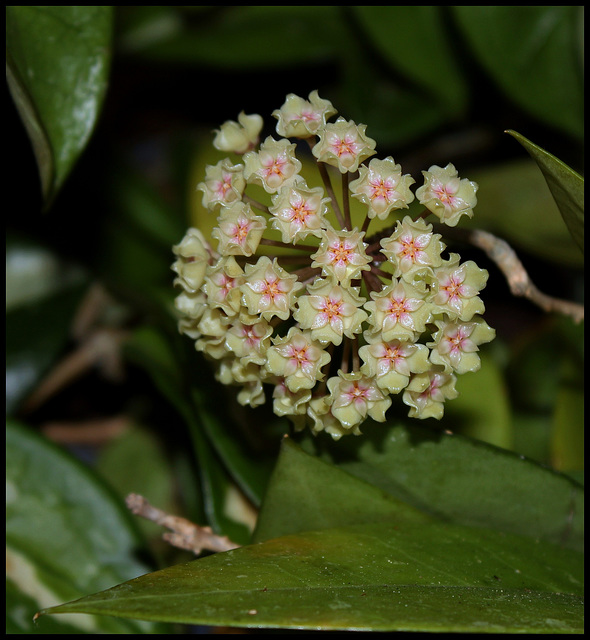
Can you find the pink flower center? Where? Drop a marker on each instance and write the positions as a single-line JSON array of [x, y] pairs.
[[452, 287], [225, 284], [446, 194], [223, 186], [299, 213], [274, 167], [398, 307], [272, 288], [332, 308], [240, 230], [381, 189], [340, 252], [346, 146]]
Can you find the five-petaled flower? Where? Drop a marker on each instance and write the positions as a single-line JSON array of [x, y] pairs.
[[382, 187], [335, 319], [330, 312], [299, 211], [342, 255], [268, 289], [446, 195], [343, 145], [298, 359]]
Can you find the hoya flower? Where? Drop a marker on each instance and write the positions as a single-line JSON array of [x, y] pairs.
[[273, 166], [298, 359], [299, 211], [446, 195], [427, 392], [355, 397], [224, 184], [222, 285], [249, 342], [238, 230], [455, 344], [239, 137], [301, 118], [334, 323], [268, 289], [330, 312], [392, 363], [341, 255], [412, 249], [193, 254], [382, 187], [398, 311], [344, 145], [321, 417], [456, 287], [291, 404], [250, 377]]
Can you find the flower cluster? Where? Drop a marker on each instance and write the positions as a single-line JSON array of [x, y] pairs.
[[341, 322]]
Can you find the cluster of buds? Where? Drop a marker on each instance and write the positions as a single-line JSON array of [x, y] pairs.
[[333, 321]]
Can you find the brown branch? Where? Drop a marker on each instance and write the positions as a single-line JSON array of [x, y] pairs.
[[500, 252], [184, 534]]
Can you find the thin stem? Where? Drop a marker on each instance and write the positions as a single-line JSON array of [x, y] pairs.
[[307, 274], [328, 184], [379, 272], [286, 245], [372, 282], [366, 223], [346, 201], [345, 357], [356, 363], [255, 203]]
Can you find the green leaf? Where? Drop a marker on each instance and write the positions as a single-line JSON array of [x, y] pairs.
[[57, 69], [36, 333], [306, 493], [466, 481], [533, 54], [65, 533], [415, 41], [567, 187], [370, 577]]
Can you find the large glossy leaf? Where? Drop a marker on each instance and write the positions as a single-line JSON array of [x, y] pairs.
[[374, 577], [533, 54], [411, 38], [337, 552], [57, 68], [65, 532], [567, 187], [306, 493], [466, 481]]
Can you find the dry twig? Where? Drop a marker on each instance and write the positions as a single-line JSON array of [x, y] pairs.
[[518, 279], [184, 534]]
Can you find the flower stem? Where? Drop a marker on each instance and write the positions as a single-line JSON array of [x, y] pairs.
[[346, 202], [328, 184], [285, 245], [255, 203]]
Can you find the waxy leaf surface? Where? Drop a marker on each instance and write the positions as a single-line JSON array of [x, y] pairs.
[[376, 577]]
